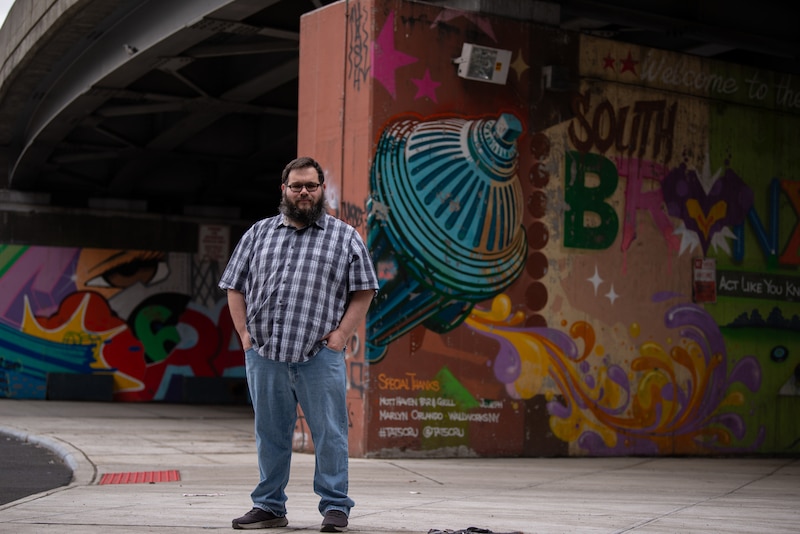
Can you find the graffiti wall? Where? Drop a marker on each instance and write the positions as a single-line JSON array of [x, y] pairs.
[[149, 319], [597, 256]]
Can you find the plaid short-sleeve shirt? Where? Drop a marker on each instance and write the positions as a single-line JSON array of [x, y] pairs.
[[297, 282]]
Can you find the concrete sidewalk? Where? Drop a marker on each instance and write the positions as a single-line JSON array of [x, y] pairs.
[[212, 449]]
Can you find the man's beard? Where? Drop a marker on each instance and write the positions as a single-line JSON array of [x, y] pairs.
[[304, 216]]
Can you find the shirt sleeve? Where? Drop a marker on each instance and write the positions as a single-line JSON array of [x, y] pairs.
[[238, 268], [362, 272]]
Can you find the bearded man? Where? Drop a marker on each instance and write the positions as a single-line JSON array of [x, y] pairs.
[[299, 284]]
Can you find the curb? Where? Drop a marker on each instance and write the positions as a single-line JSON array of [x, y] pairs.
[[84, 472]]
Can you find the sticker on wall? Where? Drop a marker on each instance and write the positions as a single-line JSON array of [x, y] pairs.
[[704, 280]]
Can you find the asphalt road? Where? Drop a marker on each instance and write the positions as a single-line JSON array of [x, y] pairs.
[[27, 469]]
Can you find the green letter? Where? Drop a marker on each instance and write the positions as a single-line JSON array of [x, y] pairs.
[[596, 232]]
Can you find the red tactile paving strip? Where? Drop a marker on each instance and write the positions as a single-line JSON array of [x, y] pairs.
[[141, 477]]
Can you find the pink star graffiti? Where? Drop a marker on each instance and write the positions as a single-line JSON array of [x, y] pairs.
[[386, 59], [426, 86]]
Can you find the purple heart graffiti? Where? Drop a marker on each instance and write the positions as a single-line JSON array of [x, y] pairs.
[[706, 213]]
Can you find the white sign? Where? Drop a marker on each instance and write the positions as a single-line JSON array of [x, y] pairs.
[[214, 242]]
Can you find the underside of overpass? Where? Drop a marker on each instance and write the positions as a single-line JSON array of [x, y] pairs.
[[161, 106], [179, 108]]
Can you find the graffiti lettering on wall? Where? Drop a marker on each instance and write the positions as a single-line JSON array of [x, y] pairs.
[[584, 201], [649, 127], [410, 382], [358, 65], [706, 219], [416, 415], [682, 75], [440, 407], [769, 241], [353, 214], [708, 215], [755, 86], [760, 286]]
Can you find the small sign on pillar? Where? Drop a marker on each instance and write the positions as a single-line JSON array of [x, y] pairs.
[[704, 280], [214, 242]]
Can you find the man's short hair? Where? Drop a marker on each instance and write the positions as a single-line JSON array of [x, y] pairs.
[[302, 163]]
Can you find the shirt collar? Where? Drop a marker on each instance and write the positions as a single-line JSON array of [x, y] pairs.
[[320, 223]]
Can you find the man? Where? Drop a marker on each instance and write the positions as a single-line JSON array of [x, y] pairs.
[[299, 284]]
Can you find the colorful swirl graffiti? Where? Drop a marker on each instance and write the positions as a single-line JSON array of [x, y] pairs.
[[676, 400]]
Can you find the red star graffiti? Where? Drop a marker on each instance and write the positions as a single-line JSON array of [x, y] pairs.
[[628, 64]]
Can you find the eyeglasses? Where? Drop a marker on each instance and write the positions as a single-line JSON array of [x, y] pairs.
[[310, 187]]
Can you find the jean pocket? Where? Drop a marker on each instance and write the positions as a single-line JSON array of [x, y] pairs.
[[326, 348]]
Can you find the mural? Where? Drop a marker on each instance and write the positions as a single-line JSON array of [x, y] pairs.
[[136, 315], [571, 316]]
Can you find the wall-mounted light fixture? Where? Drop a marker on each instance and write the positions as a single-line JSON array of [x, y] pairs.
[[483, 64]]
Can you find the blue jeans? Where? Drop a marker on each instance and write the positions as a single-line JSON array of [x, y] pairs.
[[319, 386]]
